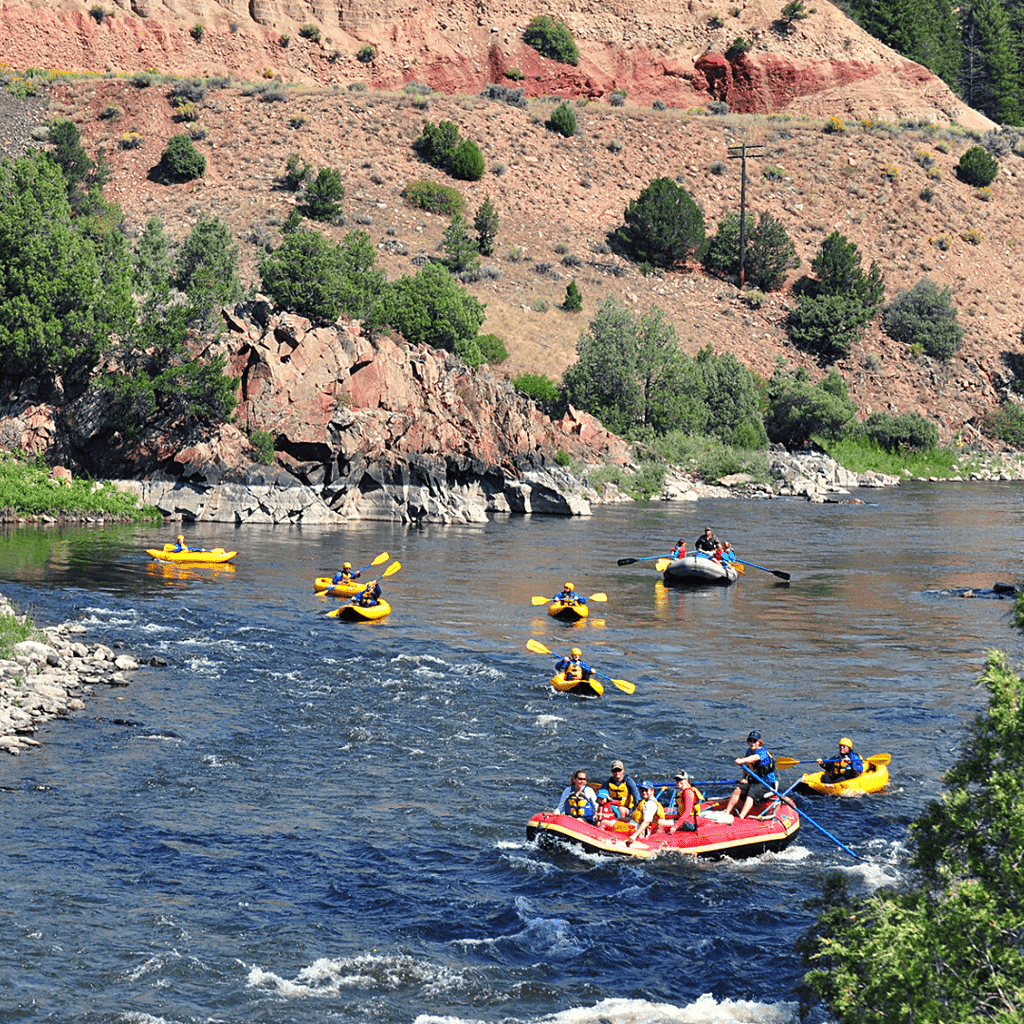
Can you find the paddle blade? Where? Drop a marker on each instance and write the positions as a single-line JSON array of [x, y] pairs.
[[539, 600], [380, 559], [740, 569], [625, 685], [662, 564], [391, 569], [627, 561], [781, 575], [596, 687], [788, 762], [879, 759], [600, 597], [536, 645]]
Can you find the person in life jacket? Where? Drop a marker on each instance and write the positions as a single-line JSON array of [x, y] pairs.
[[848, 765], [346, 574], [728, 555], [624, 792], [679, 551], [179, 543], [707, 541], [574, 667], [647, 814], [578, 799], [758, 776], [568, 595], [686, 803], [369, 596], [607, 812]]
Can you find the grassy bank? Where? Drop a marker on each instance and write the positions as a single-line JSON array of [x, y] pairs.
[[27, 490], [14, 629]]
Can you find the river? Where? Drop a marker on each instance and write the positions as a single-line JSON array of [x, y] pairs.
[[303, 820]]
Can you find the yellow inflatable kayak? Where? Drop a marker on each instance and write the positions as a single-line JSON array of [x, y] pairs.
[[584, 687], [361, 613], [168, 554], [570, 611], [875, 777], [347, 588]]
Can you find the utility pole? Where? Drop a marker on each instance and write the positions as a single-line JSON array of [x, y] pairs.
[[741, 152]]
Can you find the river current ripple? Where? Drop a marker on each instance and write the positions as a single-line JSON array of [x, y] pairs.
[[305, 820]]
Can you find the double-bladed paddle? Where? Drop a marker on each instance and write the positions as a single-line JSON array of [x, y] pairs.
[[792, 762], [599, 597], [645, 558], [623, 684]]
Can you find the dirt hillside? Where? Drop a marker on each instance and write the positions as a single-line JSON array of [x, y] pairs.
[[558, 198]]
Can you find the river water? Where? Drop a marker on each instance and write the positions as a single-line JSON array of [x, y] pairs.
[[305, 820]]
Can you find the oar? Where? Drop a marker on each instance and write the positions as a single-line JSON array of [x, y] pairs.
[[645, 558], [623, 684], [775, 572], [389, 571], [803, 813], [379, 560], [792, 762], [598, 597]]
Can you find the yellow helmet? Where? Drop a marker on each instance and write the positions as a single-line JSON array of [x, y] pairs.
[[347, 565], [181, 536], [576, 652], [569, 586], [846, 742]]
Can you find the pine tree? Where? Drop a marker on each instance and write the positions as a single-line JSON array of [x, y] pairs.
[[990, 76], [486, 225], [573, 299]]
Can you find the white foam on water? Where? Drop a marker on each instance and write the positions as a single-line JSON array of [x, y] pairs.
[[134, 1017], [549, 722], [706, 1010]]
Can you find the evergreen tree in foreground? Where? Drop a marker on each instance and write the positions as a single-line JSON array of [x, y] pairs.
[[947, 949]]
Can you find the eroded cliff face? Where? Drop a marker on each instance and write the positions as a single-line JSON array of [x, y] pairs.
[[363, 428], [822, 66]]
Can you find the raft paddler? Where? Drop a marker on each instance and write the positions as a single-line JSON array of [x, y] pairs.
[[578, 799], [646, 814], [685, 803], [624, 792]]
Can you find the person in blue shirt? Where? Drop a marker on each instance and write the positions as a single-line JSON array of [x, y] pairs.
[[753, 787], [574, 667], [848, 765], [346, 574], [568, 595], [179, 543], [728, 555], [370, 595]]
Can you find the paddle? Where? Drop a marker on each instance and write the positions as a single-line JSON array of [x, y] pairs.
[[599, 598], [792, 762], [379, 560], [645, 558], [623, 684], [389, 571], [775, 572], [803, 814]]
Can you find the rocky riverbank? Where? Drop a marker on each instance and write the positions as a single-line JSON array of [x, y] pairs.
[[50, 678]]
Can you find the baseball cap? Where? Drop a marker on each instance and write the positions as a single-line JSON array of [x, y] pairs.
[[647, 784], [753, 735], [603, 794], [618, 764], [682, 775]]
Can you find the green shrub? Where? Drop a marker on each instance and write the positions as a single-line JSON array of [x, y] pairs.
[[1007, 424], [181, 161], [492, 348], [977, 167], [909, 431], [438, 144], [310, 32], [773, 173], [925, 315], [296, 173], [539, 387], [263, 442], [552, 38], [366, 54], [515, 74], [563, 120], [663, 225], [737, 48], [206, 267], [324, 195], [794, 10], [467, 162], [198, 32], [798, 411], [436, 198], [563, 459], [486, 225], [573, 299]]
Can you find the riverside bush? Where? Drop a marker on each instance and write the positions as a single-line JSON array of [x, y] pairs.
[[798, 411], [909, 431], [1007, 424], [552, 38]]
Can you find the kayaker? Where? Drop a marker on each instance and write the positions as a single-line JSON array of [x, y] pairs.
[[568, 595], [752, 787], [679, 551], [346, 574], [625, 793], [848, 765], [685, 802], [607, 812], [574, 667], [707, 541], [578, 799], [180, 544], [647, 813], [369, 596]]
